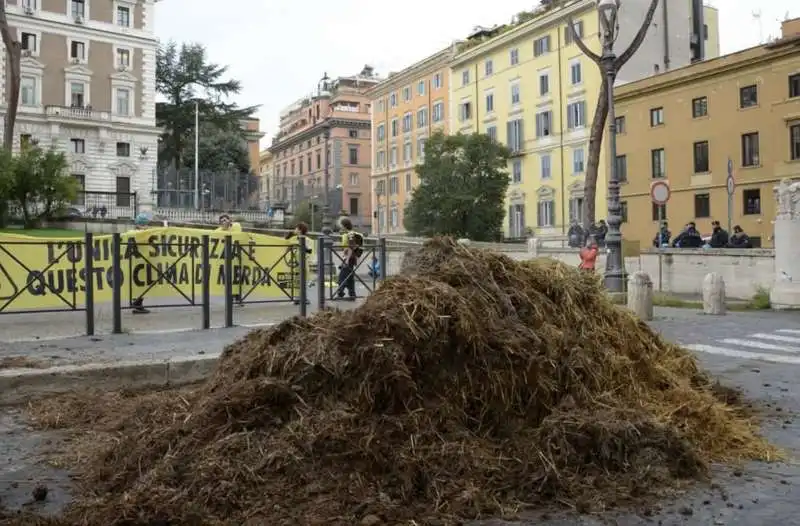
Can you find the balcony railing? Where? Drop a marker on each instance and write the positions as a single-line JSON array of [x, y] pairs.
[[77, 112]]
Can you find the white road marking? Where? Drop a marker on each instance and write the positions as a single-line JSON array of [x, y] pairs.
[[775, 337], [760, 345], [733, 353], [789, 331]]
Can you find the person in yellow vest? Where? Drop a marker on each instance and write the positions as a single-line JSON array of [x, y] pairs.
[[352, 249]]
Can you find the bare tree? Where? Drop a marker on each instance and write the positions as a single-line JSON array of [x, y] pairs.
[[14, 52], [601, 111]]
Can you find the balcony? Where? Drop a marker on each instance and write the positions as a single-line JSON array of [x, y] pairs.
[[77, 113]]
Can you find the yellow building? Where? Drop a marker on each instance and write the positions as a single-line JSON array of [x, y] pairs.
[[684, 125], [406, 108], [266, 176]]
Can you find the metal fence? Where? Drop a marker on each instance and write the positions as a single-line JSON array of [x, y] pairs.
[[92, 204], [77, 275], [227, 190], [209, 216]]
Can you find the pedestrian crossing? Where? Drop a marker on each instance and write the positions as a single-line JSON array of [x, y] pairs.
[[780, 346]]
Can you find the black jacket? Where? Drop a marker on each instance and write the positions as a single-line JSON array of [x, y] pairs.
[[740, 240], [688, 239], [719, 238]]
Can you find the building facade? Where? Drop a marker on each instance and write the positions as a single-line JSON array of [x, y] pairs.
[[265, 173], [334, 125], [406, 108], [253, 136], [88, 88], [529, 86], [685, 125]]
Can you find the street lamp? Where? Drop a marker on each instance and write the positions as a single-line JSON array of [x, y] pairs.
[[615, 270], [377, 214]]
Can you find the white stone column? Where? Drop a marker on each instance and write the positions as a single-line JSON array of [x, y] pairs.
[[640, 295], [533, 246], [714, 294], [785, 293]]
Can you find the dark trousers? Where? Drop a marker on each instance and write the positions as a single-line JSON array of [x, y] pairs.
[[347, 280]]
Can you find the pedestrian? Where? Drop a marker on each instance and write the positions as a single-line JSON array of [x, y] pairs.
[[352, 249], [719, 236], [739, 239], [141, 222], [589, 255]]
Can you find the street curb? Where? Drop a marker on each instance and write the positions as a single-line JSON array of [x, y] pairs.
[[18, 386]]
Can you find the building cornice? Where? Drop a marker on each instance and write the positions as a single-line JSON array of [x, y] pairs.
[[546, 19], [408, 74], [317, 129], [709, 69]]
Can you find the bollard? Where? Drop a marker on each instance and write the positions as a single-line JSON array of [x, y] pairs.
[[533, 246], [714, 294], [640, 295]]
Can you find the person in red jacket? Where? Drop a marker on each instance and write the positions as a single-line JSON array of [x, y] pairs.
[[589, 255]]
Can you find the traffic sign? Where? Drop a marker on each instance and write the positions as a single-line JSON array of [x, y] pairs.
[[660, 192], [730, 183]]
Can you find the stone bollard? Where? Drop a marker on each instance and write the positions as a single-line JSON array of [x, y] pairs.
[[713, 294], [533, 246], [640, 295]]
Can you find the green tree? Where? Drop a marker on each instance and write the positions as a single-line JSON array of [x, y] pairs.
[[462, 188], [185, 77], [37, 182], [220, 150], [308, 212]]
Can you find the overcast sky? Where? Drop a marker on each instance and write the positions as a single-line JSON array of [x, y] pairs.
[[279, 49]]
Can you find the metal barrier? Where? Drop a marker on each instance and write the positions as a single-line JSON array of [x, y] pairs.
[[337, 278]]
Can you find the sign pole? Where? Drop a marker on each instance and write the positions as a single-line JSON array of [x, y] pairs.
[[660, 193], [660, 247], [730, 183]]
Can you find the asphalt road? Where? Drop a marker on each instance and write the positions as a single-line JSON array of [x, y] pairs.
[[761, 494]]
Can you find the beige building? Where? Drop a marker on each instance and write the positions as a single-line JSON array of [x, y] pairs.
[[684, 126], [265, 173], [88, 88], [332, 124]]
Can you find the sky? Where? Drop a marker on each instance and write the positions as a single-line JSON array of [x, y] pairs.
[[279, 49]]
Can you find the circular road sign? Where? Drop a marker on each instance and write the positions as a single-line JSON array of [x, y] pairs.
[[660, 192], [731, 185]]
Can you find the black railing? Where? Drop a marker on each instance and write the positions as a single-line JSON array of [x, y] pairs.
[[104, 205]]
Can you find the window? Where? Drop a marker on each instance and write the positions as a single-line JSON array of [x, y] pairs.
[[516, 221], [29, 42], [421, 149], [488, 67], [123, 101], [393, 100], [77, 145], [545, 170], [544, 84], [794, 86], [28, 91], [123, 191], [353, 134], [354, 206], [578, 162], [576, 115], [394, 128], [407, 153], [748, 96], [408, 122], [516, 171], [78, 9], [657, 163], [546, 213], [541, 46], [701, 157], [794, 142], [123, 16], [394, 187], [319, 160], [353, 179], [77, 94], [571, 33], [300, 166], [123, 58], [465, 77], [407, 93], [575, 73], [438, 112], [437, 81], [352, 154], [619, 125], [544, 123], [516, 137], [491, 131], [381, 132], [422, 117], [659, 212], [515, 96], [623, 211], [750, 149], [514, 57], [380, 161], [421, 87], [80, 198], [489, 102], [699, 107], [576, 209], [656, 117], [751, 202], [702, 205], [123, 149], [393, 157], [622, 168], [77, 50], [465, 111], [409, 186]]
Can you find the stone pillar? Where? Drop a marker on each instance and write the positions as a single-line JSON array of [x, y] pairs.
[[714, 294], [533, 246], [640, 295], [785, 293]]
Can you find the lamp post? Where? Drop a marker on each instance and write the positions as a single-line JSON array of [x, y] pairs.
[[615, 270], [322, 86], [377, 215], [197, 155]]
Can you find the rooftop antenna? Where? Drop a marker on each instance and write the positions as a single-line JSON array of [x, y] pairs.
[[757, 18]]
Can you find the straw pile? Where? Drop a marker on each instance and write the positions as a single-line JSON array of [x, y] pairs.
[[469, 386]]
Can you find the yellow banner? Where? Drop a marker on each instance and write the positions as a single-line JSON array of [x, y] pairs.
[[157, 264]]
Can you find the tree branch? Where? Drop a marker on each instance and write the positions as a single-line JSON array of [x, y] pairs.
[[637, 41], [579, 41]]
